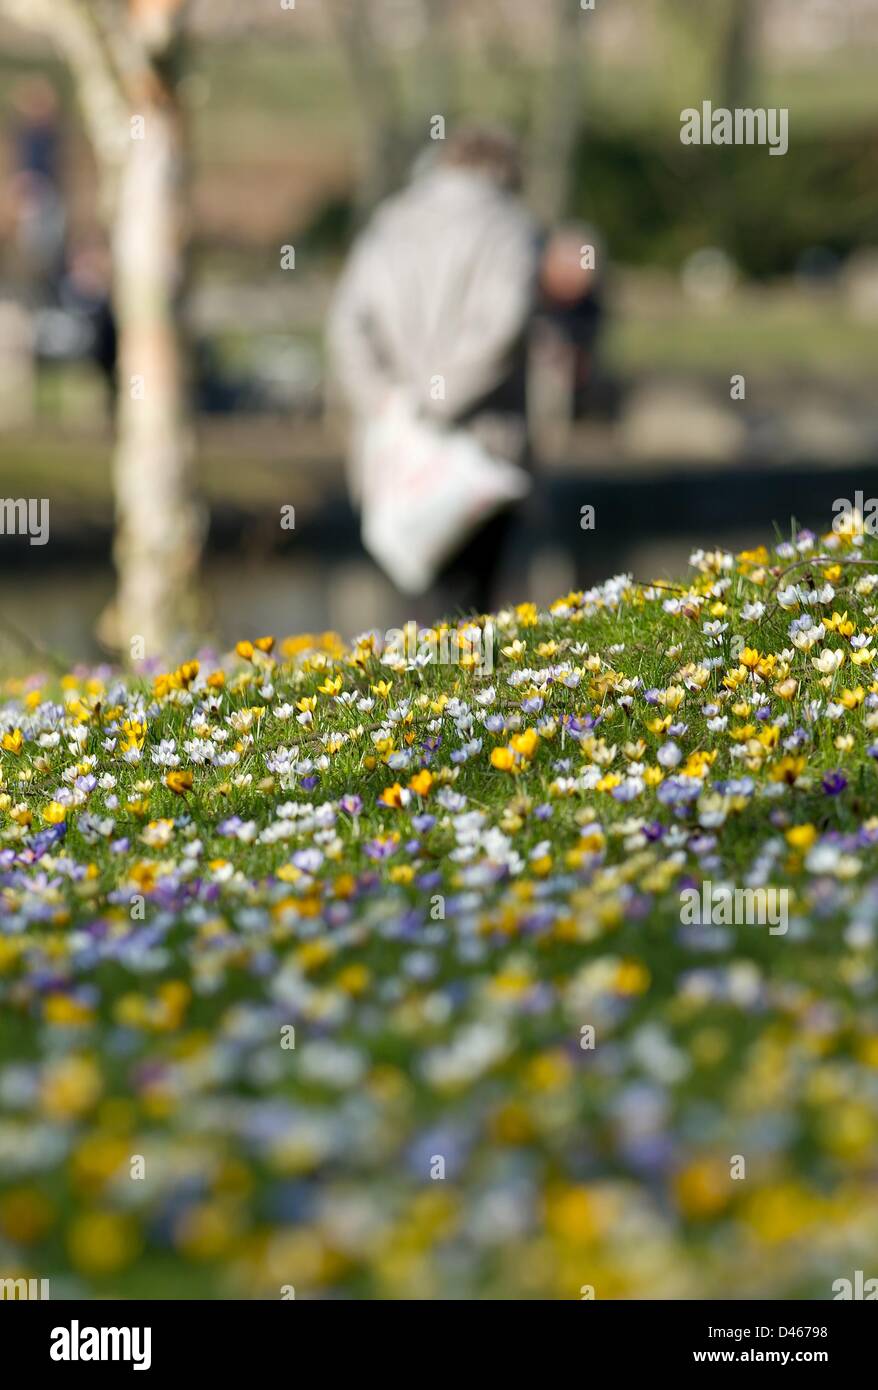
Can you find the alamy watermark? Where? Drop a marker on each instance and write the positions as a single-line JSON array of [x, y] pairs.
[[75, 1343], [470, 645], [25, 516], [859, 1288], [744, 126], [846, 514], [721, 905], [24, 1289]]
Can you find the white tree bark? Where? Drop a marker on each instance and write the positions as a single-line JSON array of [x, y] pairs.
[[158, 527]]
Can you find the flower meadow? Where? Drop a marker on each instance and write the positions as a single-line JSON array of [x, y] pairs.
[[332, 971]]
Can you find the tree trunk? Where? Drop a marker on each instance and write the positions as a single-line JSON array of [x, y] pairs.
[[558, 120], [383, 147], [158, 526], [738, 58]]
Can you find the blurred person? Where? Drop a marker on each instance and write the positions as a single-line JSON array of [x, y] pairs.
[[572, 307], [84, 291], [74, 322], [39, 213], [435, 302], [36, 129]]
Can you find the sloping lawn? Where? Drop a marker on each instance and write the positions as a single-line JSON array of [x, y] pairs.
[[344, 970]]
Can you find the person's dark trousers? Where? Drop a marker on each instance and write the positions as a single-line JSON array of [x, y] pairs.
[[467, 585]]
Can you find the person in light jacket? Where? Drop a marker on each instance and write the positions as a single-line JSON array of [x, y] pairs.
[[436, 301]]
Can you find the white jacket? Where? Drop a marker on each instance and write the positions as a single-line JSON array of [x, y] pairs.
[[436, 296]]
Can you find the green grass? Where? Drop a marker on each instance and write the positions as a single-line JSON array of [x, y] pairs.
[[455, 873], [773, 332]]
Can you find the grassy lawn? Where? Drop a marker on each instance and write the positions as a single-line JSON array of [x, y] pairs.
[[337, 968], [765, 332]]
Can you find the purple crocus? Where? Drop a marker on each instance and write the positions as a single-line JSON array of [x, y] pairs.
[[678, 791], [380, 849]]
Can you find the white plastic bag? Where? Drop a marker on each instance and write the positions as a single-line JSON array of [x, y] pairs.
[[424, 491]]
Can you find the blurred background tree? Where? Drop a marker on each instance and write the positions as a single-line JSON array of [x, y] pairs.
[[739, 53], [556, 123], [396, 102]]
